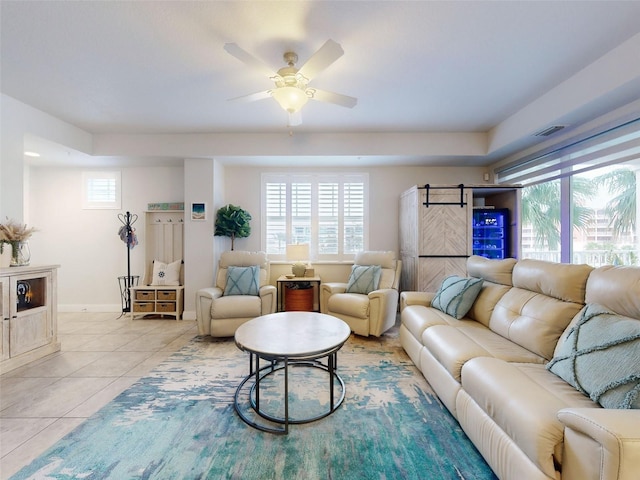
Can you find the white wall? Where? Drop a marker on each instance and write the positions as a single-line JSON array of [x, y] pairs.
[[243, 188], [85, 243], [16, 121], [202, 179]]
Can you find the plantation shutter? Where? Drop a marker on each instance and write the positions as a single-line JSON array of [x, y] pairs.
[[300, 213], [328, 226], [101, 190], [276, 217], [353, 217], [329, 212]]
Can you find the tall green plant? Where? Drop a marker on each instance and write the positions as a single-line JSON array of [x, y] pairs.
[[232, 221]]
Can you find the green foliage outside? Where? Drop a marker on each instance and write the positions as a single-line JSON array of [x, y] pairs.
[[541, 207]]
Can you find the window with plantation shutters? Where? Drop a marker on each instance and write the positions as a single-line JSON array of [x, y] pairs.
[[101, 190], [326, 211], [328, 218], [275, 216], [353, 217]]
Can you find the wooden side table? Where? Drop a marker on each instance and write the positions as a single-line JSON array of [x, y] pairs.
[[282, 290]]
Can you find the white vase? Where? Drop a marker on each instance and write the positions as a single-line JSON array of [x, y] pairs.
[[5, 256]]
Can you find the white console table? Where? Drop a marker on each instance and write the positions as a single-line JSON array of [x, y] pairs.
[[29, 306]]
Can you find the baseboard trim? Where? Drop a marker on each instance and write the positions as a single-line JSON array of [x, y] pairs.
[[72, 308], [113, 308]]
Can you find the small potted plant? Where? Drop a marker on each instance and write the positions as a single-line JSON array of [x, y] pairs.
[[17, 235], [232, 221]]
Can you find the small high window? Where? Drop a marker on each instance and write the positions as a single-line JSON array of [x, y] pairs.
[[101, 190]]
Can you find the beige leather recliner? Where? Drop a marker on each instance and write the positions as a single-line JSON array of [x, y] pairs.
[[219, 315], [371, 314]]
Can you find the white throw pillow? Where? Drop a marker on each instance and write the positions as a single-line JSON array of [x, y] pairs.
[[166, 274]]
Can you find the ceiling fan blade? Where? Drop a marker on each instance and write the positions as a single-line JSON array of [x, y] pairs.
[[338, 99], [325, 56], [247, 58], [252, 97]]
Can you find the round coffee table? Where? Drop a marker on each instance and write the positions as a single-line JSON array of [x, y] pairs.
[[285, 339]]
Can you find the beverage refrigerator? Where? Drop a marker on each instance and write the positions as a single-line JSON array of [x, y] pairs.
[[490, 232]]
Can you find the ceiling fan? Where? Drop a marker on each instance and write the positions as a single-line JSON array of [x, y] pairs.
[[291, 88]]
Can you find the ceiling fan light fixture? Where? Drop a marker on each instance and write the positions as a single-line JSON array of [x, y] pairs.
[[291, 99], [291, 89]]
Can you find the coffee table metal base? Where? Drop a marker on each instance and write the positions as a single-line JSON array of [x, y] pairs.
[[258, 373]]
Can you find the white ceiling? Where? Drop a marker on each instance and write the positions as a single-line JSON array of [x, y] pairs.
[[149, 67]]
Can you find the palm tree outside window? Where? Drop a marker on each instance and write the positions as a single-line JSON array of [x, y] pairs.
[[603, 217]]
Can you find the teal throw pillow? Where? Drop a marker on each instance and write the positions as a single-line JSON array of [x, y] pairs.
[[364, 279], [456, 295], [243, 281], [600, 357]]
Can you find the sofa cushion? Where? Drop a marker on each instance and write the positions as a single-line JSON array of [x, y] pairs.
[[600, 356], [242, 281], [456, 295], [544, 299], [386, 259], [566, 282], [166, 273], [453, 346], [497, 281], [532, 320], [494, 271], [523, 400], [417, 318], [241, 258], [489, 296], [363, 279], [615, 288], [350, 304], [236, 306], [498, 346]]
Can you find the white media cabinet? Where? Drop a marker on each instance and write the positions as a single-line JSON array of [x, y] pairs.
[[29, 305]]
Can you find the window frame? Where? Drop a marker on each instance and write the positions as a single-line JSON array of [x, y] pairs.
[[315, 179], [612, 145], [90, 176]]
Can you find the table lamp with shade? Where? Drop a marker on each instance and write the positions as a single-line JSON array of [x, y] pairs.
[[299, 255]]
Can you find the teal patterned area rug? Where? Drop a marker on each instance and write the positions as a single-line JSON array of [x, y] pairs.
[[179, 423]]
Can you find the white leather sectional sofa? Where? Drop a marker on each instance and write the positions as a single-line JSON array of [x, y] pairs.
[[490, 368]]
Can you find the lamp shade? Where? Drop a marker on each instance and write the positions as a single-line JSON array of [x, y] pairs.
[[292, 99], [298, 252]]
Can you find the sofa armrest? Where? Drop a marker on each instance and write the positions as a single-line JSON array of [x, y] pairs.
[[415, 298], [204, 296], [268, 294], [328, 289], [600, 443], [383, 307]]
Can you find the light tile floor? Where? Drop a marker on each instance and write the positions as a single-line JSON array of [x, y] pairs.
[[101, 356]]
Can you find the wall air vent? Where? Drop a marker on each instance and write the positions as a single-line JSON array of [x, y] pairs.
[[549, 131]]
